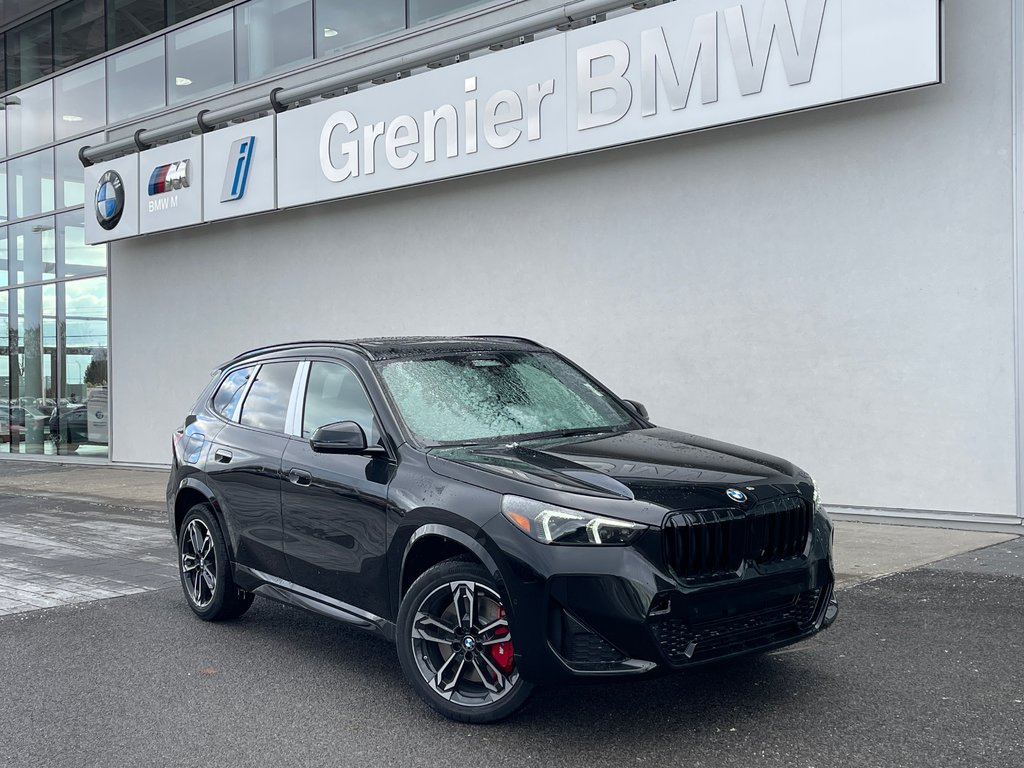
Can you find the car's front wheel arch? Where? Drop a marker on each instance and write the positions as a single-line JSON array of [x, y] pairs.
[[434, 543]]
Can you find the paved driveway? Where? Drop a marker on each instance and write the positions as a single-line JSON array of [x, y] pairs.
[[924, 668]]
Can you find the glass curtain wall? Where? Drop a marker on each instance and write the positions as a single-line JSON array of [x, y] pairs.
[[268, 36], [128, 20], [272, 36], [53, 342], [53, 287], [79, 32], [29, 51]]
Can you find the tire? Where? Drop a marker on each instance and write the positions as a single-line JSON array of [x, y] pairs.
[[439, 636], [199, 541]]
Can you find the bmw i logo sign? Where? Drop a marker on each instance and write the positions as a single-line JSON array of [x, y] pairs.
[[109, 200], [736, 495]]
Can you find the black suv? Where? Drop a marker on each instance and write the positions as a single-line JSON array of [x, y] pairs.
[[489, 507]]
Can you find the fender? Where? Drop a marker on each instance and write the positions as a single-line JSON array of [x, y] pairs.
[[194, 483], [447, 532]]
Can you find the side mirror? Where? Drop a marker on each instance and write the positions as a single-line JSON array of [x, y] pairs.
[[638, 408], [342, 437]]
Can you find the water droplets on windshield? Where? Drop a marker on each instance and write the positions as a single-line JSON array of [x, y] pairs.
[[468, 398]]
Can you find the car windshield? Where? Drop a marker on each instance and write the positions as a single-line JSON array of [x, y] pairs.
[[487, 396]]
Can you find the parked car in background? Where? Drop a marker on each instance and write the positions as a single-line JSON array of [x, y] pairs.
[[69, 427], [9, 432], [28, 416], [496, 512]]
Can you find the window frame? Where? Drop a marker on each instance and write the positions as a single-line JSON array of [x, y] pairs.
[[244, 389], [299, 398], [248, 388]]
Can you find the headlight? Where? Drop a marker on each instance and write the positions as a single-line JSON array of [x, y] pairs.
[[550, 524], [814, 491], [817, 500]]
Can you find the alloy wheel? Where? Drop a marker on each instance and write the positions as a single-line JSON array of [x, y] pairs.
[[462, 644], [199, 563]]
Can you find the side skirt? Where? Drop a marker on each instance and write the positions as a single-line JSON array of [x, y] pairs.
[[289, 593]]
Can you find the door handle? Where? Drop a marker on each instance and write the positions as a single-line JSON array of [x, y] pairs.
[[222, 456], [300, 477]]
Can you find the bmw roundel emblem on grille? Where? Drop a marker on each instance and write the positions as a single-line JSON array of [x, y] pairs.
[[736, 495], [109, 200]]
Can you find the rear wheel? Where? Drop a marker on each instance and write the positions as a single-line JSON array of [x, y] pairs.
[[455, 644], [205, 569]]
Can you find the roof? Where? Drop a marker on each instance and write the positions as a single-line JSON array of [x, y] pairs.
[[392, 348], [414, 346]]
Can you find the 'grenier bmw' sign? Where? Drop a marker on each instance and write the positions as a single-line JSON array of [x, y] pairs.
[[661, 71], [657, 72]]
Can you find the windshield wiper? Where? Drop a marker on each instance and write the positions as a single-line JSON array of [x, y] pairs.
[[575, 432], [512, 440]]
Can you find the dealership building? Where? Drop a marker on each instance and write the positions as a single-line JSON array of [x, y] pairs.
[[788, 224]]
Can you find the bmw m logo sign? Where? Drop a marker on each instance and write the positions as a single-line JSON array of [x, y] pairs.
[[109, 200], [167, 178]]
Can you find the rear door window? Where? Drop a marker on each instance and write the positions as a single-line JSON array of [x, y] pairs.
[[266, 405], [225, 402]]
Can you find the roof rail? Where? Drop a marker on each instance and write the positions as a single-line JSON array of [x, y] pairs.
[[292, 345], [508, 338]]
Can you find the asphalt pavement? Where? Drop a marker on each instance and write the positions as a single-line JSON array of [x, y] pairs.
[[925, 667]]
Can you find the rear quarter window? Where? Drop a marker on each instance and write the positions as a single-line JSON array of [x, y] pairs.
[[229, 393]]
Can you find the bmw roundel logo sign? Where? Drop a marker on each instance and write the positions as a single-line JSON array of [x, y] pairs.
[[736, 495], [109, 200]]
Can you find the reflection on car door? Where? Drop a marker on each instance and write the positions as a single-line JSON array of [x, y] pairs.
[[333, 505], [244, 464]]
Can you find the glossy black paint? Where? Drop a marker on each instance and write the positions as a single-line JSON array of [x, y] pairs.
[[342, 437], [333, 513], [346, 533], [244, 470]]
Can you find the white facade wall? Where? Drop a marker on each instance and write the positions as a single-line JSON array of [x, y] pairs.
[[835, 286]]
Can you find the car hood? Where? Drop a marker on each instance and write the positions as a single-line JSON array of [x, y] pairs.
[[673, 470]]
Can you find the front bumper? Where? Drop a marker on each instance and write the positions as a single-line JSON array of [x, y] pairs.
[[607, 611]]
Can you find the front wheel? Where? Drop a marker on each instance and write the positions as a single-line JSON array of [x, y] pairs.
[[205, 569], [455, 644]]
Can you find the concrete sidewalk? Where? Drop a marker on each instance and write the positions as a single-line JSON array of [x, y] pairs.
[[113, 486], [864, 551]]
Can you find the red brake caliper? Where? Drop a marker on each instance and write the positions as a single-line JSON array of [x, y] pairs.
[[501, 653]]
